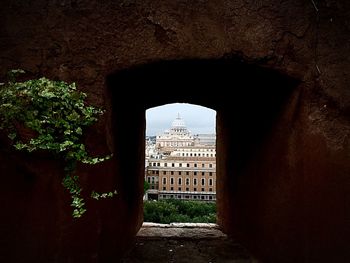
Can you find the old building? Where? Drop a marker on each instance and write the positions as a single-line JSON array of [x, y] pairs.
[[205, 139], [187, 171], [188, 178], [195, 151], [177, 136]]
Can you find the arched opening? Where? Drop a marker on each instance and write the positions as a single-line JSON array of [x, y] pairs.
[[180, 164], [254, 106]]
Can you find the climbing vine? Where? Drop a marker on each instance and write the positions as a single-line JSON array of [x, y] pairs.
[[55, 114]]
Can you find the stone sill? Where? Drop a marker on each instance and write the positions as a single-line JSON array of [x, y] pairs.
[[181, 225], [180, 230]]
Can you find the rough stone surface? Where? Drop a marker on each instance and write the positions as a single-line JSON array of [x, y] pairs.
[[180, 225], [283, 136], [181, 230], [156, 246]]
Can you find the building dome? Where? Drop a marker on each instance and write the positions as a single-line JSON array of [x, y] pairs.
[[178, 127], [178, 122], [177, 136]]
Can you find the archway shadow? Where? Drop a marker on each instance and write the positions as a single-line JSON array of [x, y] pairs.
[[248, 100]]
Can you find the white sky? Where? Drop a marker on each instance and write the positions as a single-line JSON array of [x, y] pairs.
[[198, 119]]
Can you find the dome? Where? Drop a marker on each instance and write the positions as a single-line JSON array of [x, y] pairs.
[[178, 122]]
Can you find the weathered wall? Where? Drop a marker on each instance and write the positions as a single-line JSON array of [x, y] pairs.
[[284, 182], [284, 191]]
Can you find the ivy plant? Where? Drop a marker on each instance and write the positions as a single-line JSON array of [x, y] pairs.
[[56, 114]]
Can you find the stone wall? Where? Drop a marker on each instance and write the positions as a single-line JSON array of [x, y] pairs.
[[284, 152]]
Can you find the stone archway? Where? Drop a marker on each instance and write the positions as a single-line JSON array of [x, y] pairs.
[[263, 104], [300, 134]]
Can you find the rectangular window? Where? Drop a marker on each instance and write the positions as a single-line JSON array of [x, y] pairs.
[[194, 173], [179, 181], [202, 165], [210, 181], [187, 189], [172, 165], [210, 165], [203, 173], [187, 181], [202, 189], [172, 172], [149, 179], [164, 188], [210, 173], [210, 189], [158, 164], [171, 189], [203, 181], [164, 172], [164, 180], [194, 181], [179, 188], [195, 165], [180, 164], [171, 180], [187, 173], [195, 190], [179, 173], [188, 165], [165, 164]]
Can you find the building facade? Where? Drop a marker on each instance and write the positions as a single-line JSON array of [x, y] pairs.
[[205, 139], [177, 136], [188, 169], [187, 178]]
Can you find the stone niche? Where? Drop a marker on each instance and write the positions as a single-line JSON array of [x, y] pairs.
[[283, 130]]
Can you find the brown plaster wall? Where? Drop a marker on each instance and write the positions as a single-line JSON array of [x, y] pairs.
[[284, 164], [287, 199]]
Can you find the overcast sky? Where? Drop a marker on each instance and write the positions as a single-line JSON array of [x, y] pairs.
[[198, 119]]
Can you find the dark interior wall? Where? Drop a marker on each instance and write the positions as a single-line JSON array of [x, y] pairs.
[[283, 195], [283, 177], [251, 104]]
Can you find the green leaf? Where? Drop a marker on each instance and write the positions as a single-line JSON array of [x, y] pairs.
[[79, 130], [12, 136], [57, 112]]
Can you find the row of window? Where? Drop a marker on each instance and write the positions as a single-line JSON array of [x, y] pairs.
[[179, 144], [210, 165], [179, 181], [190, 197], [154, 179], [181, 173], [190, 143], [195, 149], [197, 154], [187, 189]]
